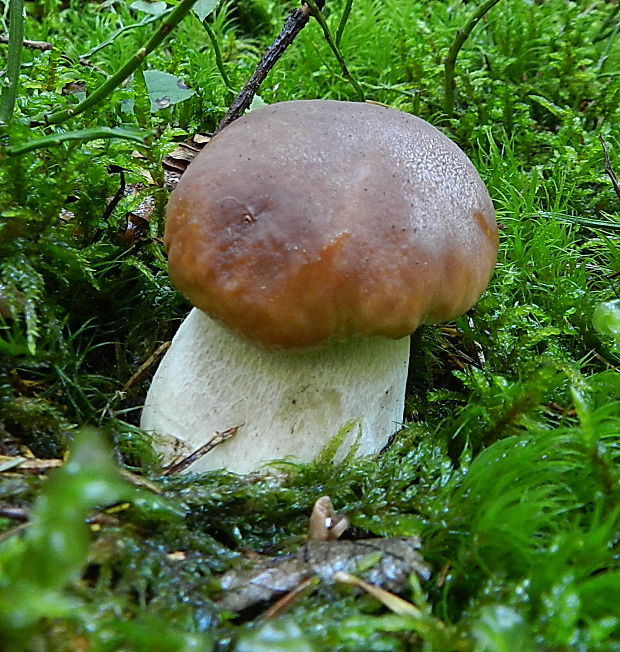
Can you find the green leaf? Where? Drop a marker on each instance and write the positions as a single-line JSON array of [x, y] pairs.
[[35, 569], [153, 8], [165, 89], [606, 319], [257, 102], [553, 108], [204, 8]]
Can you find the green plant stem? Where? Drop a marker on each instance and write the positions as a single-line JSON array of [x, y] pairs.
[[450, 61], [93, 100], [81, 134], [14, 58], [343, 21], [219, 62], [316, 13], [142, 103], [126, 28], [142, 106]]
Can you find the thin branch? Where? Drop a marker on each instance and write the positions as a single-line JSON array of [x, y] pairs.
[[14, 59], [144, 368], [118, 195], [295, 22], [315, 10], [450, 61], [609, 169], [186, 462], [92, 101], [27, 43]]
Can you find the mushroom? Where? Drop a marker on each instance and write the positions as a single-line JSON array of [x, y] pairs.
[[312, 237]]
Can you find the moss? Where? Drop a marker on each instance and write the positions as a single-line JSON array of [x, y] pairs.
[[507, 466]]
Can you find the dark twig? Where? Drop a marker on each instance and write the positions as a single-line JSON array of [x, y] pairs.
[[296, 21], [450, 61], [288, 599], [118, 195], [216, 440], [15, 513], [609, 169], [31, 45], [142, 370]]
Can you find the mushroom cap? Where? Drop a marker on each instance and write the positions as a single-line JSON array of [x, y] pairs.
[[309, 220]]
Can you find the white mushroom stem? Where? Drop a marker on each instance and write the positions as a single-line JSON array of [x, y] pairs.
[[285, 404]]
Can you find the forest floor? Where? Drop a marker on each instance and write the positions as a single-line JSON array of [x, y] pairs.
[[507, 468]]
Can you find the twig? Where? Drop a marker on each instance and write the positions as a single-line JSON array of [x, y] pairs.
[[286, 601], [450, 61], [15, 513], [14, 59], [118, 195], [13, 531], [609, 169], [315, 10], [145, 366], [27, 43], [170, 21], [393, 602], [295, 22], [216, 440]]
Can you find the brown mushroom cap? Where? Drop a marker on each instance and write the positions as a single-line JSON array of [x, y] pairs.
[[309, 220]]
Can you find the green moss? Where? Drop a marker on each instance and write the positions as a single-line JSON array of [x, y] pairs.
[[507, 466]]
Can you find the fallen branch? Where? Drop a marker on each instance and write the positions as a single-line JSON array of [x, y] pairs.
[[295, 22], [31, 45], [186, 462]]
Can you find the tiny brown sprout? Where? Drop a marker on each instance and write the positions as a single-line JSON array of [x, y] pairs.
[[325, 523]]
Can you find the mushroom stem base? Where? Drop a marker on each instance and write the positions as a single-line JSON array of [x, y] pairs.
[[285, 404]]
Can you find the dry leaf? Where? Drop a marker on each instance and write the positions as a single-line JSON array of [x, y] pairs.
[[396, 559]]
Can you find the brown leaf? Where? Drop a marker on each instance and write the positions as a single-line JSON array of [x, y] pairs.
[[272, 578]]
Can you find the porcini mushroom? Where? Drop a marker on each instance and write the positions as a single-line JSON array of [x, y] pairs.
[[313, 237]]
